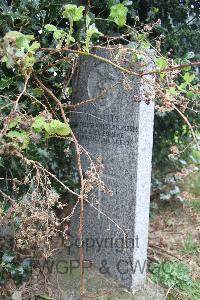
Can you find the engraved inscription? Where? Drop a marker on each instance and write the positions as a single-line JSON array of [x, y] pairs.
[[105, 129]]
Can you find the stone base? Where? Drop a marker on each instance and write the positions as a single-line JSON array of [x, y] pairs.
[[98, 285]]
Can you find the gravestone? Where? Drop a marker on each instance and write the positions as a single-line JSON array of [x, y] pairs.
[[118, 128]]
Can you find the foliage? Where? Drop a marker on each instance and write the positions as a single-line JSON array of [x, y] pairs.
[[177, 275], [10, 267], [40, 44], [190, 246], [118, 13]]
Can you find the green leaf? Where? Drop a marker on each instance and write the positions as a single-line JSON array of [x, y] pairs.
[[145, 44], [5, 83], [161, 63], [29, 61], [190, 94], [12, 35], [53, 128], [73, 12], [34, 47], [87, 20], [190, 55], [39, 124], [118, 14], [56, 127], [37, 92], [1, 162], [59, 34], [91, 30], [50, 27], [7, 258], [172, 90], [20, 139], [22, 42], [182, 87], [188, 77], [14, 122]]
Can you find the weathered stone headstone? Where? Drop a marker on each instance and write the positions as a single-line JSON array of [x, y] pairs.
[[118, 127]]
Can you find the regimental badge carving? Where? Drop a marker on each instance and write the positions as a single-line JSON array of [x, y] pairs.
[[97, 84]]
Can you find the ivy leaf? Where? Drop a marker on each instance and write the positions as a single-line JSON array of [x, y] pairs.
[[190, 55], [87, 21], [1, 162], [20, 139], [14, 122], [161, 63], [29, 61], [34, 47], [59, 34], [23, 41], [56, 127], [53, 128], [182, 86], [5, 83], [37, 92], [73, 12], [118, 14], [145, 44], [91, 30], [188, 77], [12, 35], [7, 258], [39, 124], [50, 27], [172, 90]]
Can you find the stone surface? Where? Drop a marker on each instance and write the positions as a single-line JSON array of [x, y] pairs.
[[104, 287], [119, 130]]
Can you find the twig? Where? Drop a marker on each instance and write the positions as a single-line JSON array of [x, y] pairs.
[[103, 93], [81, 195], [38, 165], [168, 292], [102, 213], [21, 94], [171, 68], [105, 60], [125, 70], [163, 250], [7, 197], [188, 123]]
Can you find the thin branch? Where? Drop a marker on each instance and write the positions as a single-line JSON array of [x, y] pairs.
[[103, 93], [38, 165], [171, 68], [171, 287], [107, 217], [21, 94], [189, 125], [7, 197], [105, 60], [81, 196], [125, 70]]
